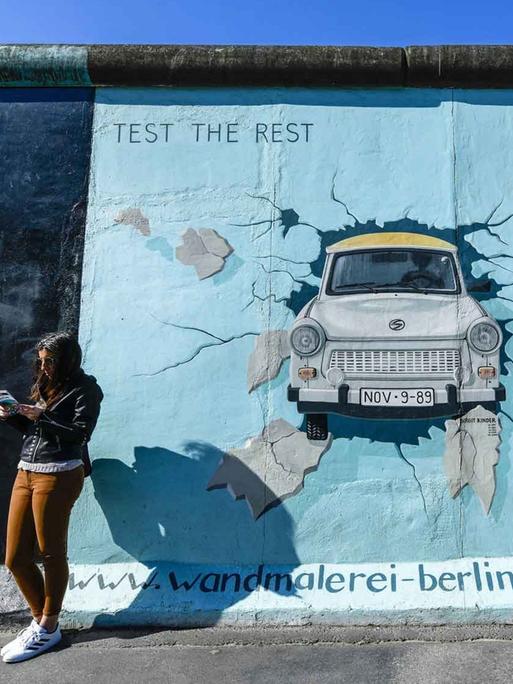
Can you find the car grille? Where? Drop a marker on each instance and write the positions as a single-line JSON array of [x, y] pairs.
[[436, 361]]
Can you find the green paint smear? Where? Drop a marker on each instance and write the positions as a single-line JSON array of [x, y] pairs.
[[44, 65]]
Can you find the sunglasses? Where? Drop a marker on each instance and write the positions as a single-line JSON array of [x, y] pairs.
[[49, 361]]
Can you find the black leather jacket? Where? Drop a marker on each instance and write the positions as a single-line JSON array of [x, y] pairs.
[[61, 433]]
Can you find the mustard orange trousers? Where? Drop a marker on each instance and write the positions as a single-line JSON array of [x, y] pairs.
[[39, 515]]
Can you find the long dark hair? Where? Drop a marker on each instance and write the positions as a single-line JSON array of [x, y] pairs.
[[65, 349]]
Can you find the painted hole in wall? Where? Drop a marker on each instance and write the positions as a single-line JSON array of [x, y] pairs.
[[401, 328], [394, 340]]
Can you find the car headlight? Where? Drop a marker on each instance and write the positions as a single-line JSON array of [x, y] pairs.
[[484, 337], [305, 340]]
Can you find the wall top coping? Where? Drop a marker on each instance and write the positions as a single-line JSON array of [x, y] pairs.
[[435, 66]]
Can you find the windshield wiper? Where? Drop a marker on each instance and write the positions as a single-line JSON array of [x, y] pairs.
[[401, 285], [367, 286], [415, 287]]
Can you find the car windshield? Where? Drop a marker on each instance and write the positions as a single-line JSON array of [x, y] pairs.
[[405, 270]]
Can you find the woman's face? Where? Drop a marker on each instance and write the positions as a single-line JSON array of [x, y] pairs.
[[47, 362]]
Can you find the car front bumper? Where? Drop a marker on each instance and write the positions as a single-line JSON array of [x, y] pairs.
[[449, 401]]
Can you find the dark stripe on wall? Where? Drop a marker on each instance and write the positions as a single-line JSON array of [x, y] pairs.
[[45, 149], [437, 66], [244, 65]]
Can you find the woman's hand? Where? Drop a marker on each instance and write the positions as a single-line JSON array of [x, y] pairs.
[[4, 413], [30, 412]]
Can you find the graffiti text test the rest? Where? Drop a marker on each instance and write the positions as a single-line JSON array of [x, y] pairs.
[[261, 132]]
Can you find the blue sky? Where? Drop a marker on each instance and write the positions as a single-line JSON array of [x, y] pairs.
[[362, 22]]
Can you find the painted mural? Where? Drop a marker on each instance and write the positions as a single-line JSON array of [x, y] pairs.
[[410, 322], [298, 303]]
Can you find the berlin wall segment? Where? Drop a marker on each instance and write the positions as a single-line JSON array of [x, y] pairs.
[[45, 146], [214, 501], [233, 233]]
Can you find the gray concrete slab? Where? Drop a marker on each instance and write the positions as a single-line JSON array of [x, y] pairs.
[[303, 655], [398, 662]]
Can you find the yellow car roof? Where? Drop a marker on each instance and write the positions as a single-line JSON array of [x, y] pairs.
[[374, 240]]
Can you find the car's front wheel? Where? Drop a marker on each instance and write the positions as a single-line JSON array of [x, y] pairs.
[[317, 426]]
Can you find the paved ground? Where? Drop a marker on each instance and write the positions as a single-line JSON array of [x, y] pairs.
[[276, 656]]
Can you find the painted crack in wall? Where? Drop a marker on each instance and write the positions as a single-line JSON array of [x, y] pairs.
[[219, 341], [286, 219], [415, 476]]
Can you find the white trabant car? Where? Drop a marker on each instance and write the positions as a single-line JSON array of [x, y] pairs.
[[393, 333]]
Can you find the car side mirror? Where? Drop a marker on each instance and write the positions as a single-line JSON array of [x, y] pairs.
[[481, 286]]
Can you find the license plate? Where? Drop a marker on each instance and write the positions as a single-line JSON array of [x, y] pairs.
[[420, 396]]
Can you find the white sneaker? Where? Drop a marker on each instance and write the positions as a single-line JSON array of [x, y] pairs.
[[19, 638], [31, 644]]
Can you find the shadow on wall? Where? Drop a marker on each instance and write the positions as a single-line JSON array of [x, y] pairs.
[[159, 512]]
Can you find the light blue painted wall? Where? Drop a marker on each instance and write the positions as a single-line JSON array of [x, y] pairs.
[[439, 159]]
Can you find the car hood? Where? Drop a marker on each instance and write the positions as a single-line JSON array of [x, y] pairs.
[[370, 316]]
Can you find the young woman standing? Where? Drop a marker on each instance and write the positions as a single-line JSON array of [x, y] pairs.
[[53, 463]]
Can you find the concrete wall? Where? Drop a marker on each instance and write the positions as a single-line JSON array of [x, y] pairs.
[[45, 145], [209, 212]]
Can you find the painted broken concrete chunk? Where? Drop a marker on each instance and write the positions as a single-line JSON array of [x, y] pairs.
[[204, 249], [271, 349], [270, 467], [135, 218], [472, 452]]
